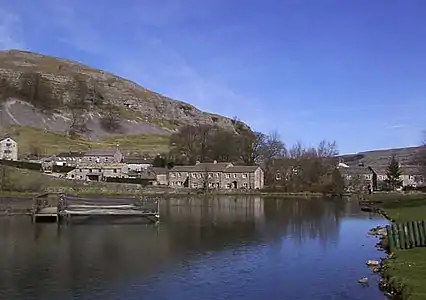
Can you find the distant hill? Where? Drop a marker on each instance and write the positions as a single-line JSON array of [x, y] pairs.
[[406, 156], [49, 94]]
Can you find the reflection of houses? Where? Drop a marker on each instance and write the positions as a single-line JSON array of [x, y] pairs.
[[137, 164], [217, 175], [110, 155], [220, 208], [8, 148]]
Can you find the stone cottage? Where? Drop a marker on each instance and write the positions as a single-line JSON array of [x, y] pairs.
[[161, 175], [8, 148], [137, 164], [216, 175], [109, 155], [71, 158], [98, 171]]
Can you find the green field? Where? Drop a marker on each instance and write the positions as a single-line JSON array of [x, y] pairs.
[[408, 267], [37, 141]]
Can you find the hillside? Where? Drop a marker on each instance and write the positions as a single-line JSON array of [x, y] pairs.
[[61, 96], [406, 156]]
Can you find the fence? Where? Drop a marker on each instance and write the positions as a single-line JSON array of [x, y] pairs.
[[407, 235]]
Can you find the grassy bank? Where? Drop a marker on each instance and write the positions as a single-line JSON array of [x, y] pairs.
[[32, 140], [406, 269]]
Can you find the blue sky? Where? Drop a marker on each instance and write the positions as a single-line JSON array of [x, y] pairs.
[[353, 71]]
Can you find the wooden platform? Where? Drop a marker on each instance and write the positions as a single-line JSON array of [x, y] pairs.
[[68, 207], [45, 214]]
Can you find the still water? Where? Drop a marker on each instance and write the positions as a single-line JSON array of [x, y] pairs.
[[228, 248]]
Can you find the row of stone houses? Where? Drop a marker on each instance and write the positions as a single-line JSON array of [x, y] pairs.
[[8, 148], [98, 156], [217, 175], [100, 172], [201, 175], [375, 176]]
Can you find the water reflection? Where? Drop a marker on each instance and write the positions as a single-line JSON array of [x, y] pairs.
[[201, 249]]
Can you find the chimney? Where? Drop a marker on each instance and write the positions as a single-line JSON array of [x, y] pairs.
[[215, 161]]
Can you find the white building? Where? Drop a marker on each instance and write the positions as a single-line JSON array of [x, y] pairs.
[[8, 148]]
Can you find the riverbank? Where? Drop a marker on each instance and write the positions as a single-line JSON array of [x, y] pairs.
[[21, 182], [404, 271]]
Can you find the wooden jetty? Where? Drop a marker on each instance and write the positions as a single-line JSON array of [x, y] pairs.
[[369, 206], [68, 207]]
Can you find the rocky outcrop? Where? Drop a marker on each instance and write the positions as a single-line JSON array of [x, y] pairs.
[[51, 87]]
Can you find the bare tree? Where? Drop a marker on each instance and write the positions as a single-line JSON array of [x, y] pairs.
[[223, 145], [206, 179], [204, 135], [250, 145], [185, 142]]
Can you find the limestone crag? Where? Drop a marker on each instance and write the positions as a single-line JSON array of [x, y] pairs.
[[44, 84]]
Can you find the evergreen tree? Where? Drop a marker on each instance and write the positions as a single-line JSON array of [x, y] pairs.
[[393, 173]]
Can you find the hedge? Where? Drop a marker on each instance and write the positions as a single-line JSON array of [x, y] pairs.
[[62, 169], [20, 164], [141, 181]]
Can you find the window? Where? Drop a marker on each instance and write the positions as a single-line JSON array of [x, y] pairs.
[[194, 175], [115, 171], [217, 175], [200, 175], [90, 170], [173, 175], [244, 175], [228, 176], [245, 185], [81, 170], [72, 176], [235, 175], [100, 170], [228, 186], [210, 175], [179, 174], [8, 144]]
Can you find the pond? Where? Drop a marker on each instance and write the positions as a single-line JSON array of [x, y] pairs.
[[216, 248]]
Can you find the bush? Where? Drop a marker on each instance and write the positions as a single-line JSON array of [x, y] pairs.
[[141, 181], [62, 169]]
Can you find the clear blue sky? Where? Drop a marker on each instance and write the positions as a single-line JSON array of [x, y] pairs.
[[353, 71]]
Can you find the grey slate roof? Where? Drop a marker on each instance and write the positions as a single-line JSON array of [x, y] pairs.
[[159, 171], [102, 152], [215, 167], [70, 154], [137, 160], [241, 169]]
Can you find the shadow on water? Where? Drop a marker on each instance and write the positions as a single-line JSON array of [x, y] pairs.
[[242, 247]]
